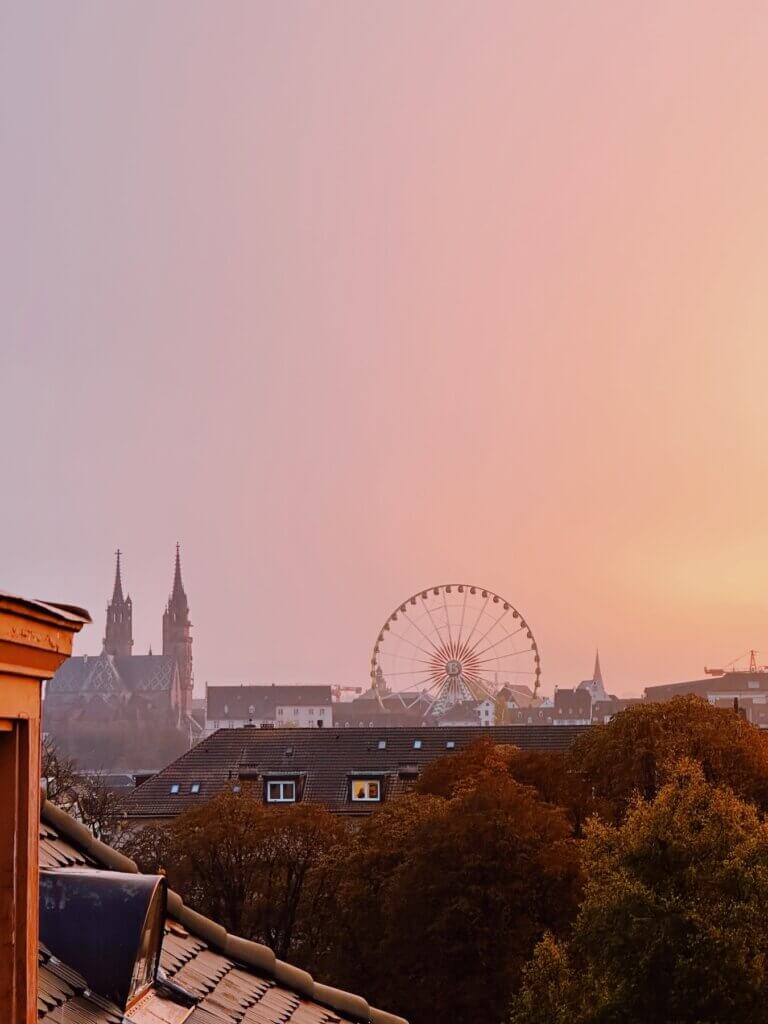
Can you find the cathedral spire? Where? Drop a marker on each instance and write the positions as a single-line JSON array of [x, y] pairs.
[[597, 675], [177, 636], [178, 586], [118, 635], [117, 592]]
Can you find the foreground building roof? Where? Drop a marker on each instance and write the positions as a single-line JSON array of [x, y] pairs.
[[322, 763], [208, 976]]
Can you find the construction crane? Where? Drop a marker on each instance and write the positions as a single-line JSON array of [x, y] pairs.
[[753, 666]]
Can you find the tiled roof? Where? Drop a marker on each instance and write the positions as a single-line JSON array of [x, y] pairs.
[[233, 980], [107, 673], [63, 996], [235, 702], [325, 758]]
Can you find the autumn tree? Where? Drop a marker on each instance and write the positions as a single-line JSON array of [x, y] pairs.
[[438, 902], [549, 772], [256, 869], [672, 928], [635, 752]]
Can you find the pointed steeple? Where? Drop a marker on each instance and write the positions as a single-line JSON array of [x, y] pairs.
[[178, 586], [117, 592], [118, 635], [177, 637], [597, 675]]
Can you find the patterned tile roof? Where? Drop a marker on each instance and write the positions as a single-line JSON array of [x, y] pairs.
[[324, 759], [230, 980], [108, 673]]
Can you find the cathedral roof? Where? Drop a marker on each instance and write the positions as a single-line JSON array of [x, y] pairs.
[[104, 673]]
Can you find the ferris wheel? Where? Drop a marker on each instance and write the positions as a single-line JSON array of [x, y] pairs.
[[452, 643]]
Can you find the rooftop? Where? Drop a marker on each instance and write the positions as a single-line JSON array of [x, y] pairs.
[[324, 758], [224, 979]]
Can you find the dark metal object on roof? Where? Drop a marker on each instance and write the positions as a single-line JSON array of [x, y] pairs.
[[84, 911]]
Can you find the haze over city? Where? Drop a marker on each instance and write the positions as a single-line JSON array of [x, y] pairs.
[[354, 299]]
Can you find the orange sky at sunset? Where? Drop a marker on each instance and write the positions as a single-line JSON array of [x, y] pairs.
[[352, 299]]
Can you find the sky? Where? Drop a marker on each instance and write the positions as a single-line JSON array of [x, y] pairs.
[[351, 299]]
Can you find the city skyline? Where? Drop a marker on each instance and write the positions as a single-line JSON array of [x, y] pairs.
[[352, 300]]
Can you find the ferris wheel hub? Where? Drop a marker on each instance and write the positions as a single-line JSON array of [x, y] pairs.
[[453, 667]]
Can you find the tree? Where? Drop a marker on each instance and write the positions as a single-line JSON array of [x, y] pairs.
[[84, 794], [60, 774], [257, 869], [439, 902], [549, 772], [672, 927], [637, 749]]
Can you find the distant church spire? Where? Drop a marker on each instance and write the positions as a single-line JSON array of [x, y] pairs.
[[177, 594], [117, 591], [118, 635], [597, 675], [177, 636]]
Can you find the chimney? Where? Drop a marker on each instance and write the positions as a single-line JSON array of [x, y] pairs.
[[35, 638]]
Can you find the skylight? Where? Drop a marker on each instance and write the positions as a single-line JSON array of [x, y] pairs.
[[174, 788], [382, 744], [417, 744], [195, 787]]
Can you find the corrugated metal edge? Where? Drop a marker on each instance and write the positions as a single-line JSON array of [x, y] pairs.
[[251, 954]]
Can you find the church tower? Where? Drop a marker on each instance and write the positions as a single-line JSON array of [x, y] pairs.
[[118, 636], [177, 637]]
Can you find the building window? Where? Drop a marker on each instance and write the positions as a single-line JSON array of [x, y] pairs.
[[450, 744], [417, 744], [280, 712], [366, 790], [382, 744], [311, 712], [251, 710], [195, 788], [174, 788], [321, 713], [281, 792]]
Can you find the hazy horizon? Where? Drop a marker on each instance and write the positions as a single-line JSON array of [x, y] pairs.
[[355, 299]]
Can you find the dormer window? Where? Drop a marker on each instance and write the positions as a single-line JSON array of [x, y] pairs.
[[174, 789], [281, 791], [366, 791], [194, 789]]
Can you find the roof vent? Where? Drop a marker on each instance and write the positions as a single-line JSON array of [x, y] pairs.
[[81, 909]]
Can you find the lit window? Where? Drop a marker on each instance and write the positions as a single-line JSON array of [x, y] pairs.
[[174, 788], [366, 790], [450, 744], [281, 792], [194, 788], [382, 744], [417, 744]]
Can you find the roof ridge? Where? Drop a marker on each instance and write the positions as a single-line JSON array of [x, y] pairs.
[[248, 952]]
